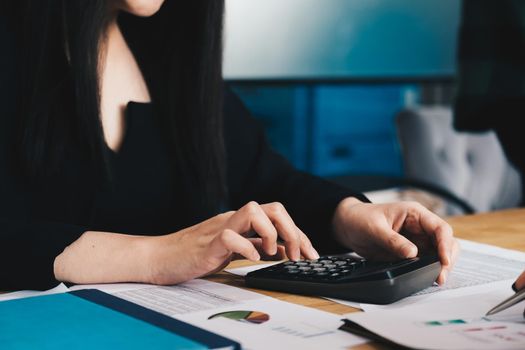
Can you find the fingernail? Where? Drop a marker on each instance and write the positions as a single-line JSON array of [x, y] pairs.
[[314, 253], [410, 250], [256, 257]]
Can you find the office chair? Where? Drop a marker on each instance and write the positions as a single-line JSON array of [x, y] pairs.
[[470, 170]]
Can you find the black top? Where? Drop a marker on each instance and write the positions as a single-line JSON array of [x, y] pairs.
[[38, 220]]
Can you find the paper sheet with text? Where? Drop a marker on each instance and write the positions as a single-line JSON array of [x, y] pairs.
[[254, 320]]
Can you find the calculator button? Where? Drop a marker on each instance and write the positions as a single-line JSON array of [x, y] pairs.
[[305, 268], [319, 269], [301, 263]]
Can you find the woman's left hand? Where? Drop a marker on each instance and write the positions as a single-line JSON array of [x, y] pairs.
[[393, 231]]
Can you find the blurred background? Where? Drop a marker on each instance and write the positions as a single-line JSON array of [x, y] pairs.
[[361, 93]]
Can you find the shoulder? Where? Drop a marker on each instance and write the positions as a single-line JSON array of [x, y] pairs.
[[237, 118], [233, 106], [241, 129]]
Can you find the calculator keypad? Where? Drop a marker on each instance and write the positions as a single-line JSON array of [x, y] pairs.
[[325, 268]]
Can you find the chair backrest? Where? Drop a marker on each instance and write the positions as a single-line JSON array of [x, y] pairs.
[[472, 166]]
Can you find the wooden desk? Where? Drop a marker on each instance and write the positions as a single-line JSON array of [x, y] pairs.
[[503, 228]]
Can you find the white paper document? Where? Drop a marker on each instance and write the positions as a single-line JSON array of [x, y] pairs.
[[480, 267], [455, 323], [61, 288], [254, 320]]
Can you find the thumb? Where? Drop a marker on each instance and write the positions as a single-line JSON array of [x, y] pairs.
[[398, 245]]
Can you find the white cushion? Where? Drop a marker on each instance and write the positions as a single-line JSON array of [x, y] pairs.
[[472, 166]]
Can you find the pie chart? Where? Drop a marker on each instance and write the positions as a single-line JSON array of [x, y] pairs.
[[254, 317]]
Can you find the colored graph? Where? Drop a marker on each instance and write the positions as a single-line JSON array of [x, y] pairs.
[[254, 317], [446, 322]]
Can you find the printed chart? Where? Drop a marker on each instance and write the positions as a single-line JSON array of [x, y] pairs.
[[255, 317]]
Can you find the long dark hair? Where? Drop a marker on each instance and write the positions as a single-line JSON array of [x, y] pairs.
[[179, 50]]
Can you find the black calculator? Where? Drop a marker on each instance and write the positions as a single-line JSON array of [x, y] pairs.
[[349, 277]]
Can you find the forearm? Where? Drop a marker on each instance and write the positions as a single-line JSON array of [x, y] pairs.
[[102, 257]]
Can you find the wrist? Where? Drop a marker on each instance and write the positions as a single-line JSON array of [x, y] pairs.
[[147, 250], [168, 261], [155, 250], [339, 218]]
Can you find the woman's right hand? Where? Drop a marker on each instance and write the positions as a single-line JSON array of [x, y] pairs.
[[520, 282], [209, 246]]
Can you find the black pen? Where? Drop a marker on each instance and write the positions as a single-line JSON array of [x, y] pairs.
[[512, 300]]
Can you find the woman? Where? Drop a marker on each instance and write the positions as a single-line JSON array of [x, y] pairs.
[[124, 158]]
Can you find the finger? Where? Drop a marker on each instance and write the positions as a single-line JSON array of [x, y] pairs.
[[396, 244], [421, 220], [311, 252], [281, 250], [520, 282], [252, 217], [441, 231], [233, 242], [289, 233], [443, 234], [445, 270]]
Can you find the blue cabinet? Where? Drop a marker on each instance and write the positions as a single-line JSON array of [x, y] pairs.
[[354, 129], [332, 129]]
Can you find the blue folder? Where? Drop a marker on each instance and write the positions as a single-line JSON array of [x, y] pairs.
[[91, 319]]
